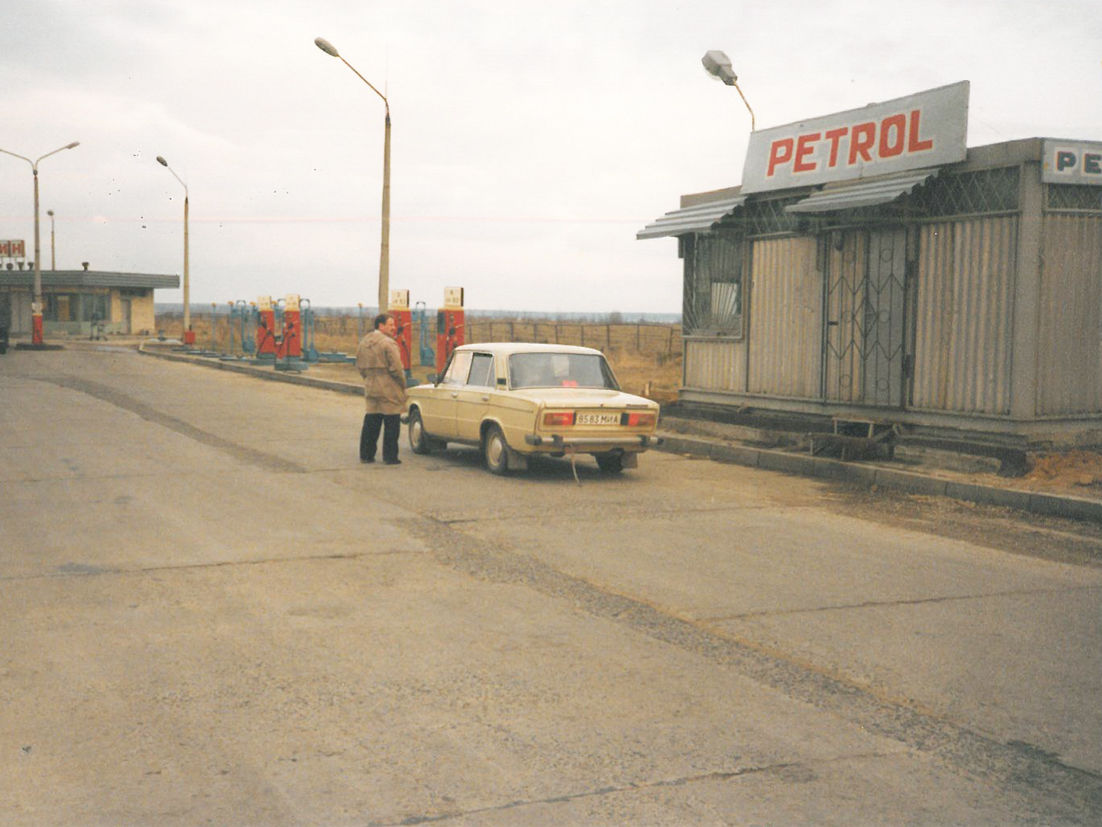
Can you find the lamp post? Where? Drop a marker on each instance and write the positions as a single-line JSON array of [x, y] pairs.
[[718, 66], [36, 303], [53, 249], [384, 243], [188, 337]]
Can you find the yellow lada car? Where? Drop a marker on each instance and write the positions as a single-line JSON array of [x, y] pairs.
[[516, 400]]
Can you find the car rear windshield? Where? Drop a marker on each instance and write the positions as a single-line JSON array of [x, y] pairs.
[[560, 370]]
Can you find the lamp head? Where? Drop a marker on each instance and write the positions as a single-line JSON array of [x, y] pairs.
[[73, 144], [718, 66], [162, 161], [326, 46]]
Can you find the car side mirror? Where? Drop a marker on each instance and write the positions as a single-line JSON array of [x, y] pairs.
[[433, 379]]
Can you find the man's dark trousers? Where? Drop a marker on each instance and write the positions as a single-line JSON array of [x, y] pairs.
[[369, 436]]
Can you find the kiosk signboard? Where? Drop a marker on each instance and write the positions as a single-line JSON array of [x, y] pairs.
[[1072, 162], [926, 129]]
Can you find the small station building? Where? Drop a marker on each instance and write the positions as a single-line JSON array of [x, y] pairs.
[[76, 300], [871, 267]]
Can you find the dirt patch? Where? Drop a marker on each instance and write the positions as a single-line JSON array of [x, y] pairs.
[[1074, 471]]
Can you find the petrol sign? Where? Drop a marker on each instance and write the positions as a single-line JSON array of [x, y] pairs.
[[1072, 162], [926, 129]]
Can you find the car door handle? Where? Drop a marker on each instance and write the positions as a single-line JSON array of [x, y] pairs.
[[455, 394], [485, 397]]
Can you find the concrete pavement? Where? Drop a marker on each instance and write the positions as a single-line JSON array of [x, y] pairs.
[[213, 612]]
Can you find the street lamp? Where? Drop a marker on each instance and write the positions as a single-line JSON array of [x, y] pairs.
[[36, 304], [188, 337], [384, 244], [719, 66], [53, 249]]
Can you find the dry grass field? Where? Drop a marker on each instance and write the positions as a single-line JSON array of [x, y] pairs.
[[645, 357]]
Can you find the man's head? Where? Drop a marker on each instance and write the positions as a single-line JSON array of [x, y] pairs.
[[385, 323]]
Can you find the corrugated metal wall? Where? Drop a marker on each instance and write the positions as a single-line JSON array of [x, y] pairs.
[[1069, 334], [786, 318], [963, 315], [716, 364]]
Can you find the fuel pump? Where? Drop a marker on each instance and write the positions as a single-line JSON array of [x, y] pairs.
[[309, 332], [289, 345], [424, 336], [450, 326], [243, 311], [265, 328], [403, 321]]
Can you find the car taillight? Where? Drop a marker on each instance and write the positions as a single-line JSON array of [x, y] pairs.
[[558, 419], [633, 420]]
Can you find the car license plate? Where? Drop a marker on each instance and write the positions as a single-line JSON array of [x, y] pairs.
[[597, 419]]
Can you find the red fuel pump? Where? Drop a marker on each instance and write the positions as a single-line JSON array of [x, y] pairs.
[[450, 326], [265, 328], [290, 343]]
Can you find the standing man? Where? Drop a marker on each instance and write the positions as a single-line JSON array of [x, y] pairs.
[[380, 364]]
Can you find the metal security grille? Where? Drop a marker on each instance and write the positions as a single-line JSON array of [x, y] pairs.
[[713, 287], [1080, 198], [972, 193], [865, 298], [768, 217]]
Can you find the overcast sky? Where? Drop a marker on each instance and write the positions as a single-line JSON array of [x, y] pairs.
[[531, 140]]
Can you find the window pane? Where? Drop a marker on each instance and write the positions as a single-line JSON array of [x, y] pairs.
[[482, 370], [560, 370], [459, 368]]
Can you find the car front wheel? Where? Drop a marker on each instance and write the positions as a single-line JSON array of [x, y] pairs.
[[495, 451], [419, 442]]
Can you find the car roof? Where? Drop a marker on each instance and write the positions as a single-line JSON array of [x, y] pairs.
[[509, 348]]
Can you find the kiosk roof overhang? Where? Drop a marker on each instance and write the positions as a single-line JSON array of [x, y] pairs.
[[87, 278], [856, 194], [698, 218]]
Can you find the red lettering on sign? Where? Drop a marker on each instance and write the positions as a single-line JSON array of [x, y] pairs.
[[864, 139], [913, 143], [834, 136], [779, 153], [805, 145], [893, 131]]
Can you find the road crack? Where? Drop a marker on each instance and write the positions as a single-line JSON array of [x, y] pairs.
[[105, 393]]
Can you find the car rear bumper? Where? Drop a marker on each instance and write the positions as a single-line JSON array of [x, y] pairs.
[[558, 443]]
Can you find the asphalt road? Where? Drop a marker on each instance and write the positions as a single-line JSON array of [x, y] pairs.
[[213, 613]]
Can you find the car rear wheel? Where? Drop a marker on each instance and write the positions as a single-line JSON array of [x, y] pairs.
[[610, 463], [495, 450], [419, 442]]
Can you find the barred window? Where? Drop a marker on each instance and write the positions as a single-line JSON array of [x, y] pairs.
[[1077, 197], [970, 193], [713, 296]]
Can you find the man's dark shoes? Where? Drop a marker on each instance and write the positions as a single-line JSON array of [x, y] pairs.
[[367, 459], [392, 461]]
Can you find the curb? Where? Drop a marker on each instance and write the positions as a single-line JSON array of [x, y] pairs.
[[260, 372], [1050, 505]]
